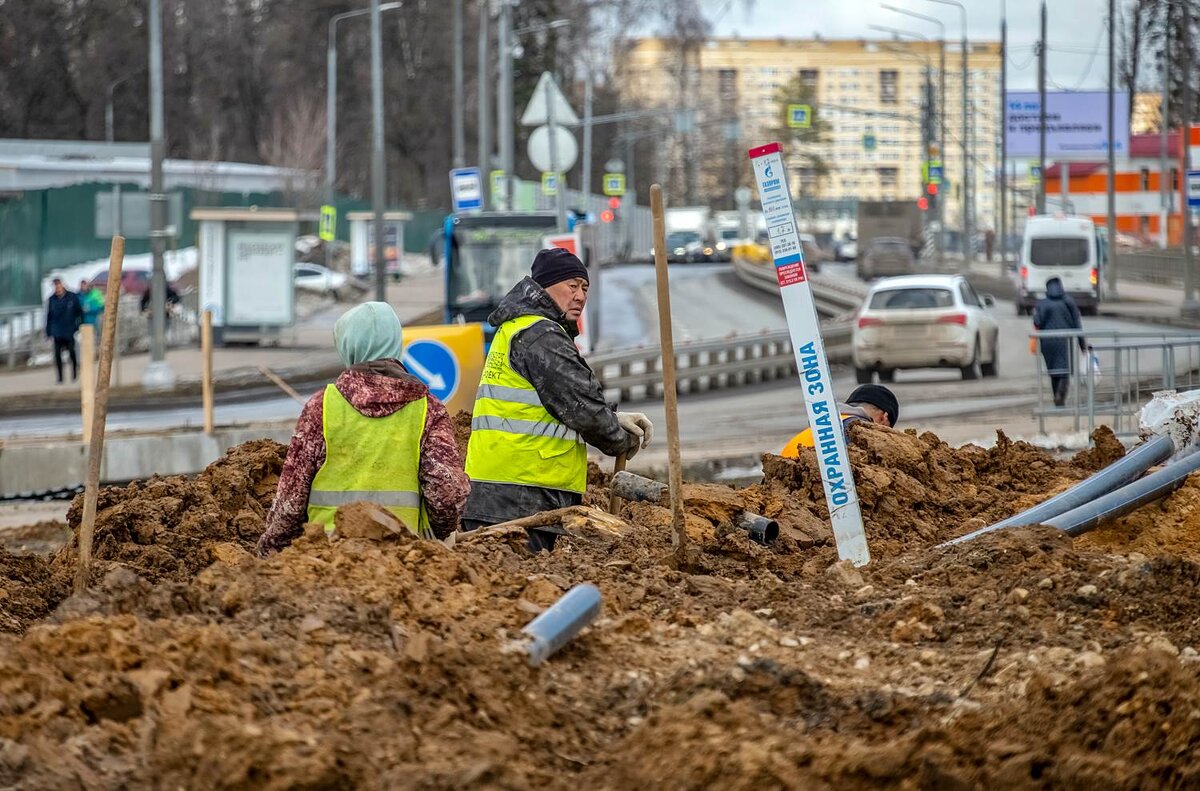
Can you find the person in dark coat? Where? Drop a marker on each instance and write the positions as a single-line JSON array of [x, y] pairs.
[[64, 314], [1057, 311]]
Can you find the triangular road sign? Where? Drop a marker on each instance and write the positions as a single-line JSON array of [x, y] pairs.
[[537, 111]]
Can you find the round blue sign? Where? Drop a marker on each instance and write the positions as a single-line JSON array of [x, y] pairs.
[[434, 364]]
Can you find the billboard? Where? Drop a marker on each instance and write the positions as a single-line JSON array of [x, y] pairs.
[[1076, 125]]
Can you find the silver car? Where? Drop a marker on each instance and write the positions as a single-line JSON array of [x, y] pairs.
[[886, 256]]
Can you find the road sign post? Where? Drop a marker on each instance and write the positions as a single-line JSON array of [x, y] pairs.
[[833, 459], [1193, 189], [799, 116], [466, 189], [614, 184]]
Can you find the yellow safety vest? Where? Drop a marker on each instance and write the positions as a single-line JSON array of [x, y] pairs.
[[514, 439], [803, 440], [376, 459]]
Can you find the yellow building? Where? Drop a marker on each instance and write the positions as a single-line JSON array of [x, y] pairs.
[[868, 91]]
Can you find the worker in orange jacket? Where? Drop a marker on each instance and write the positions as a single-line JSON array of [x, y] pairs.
[[872, 403]]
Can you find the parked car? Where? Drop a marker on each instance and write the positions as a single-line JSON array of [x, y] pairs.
[[925, 321], [133, 281], [887, 256], [320, 280]]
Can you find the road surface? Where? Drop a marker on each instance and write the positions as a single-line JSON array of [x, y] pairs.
[[707, 301]]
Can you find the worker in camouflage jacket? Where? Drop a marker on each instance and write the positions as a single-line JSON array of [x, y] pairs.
[[539, 404]]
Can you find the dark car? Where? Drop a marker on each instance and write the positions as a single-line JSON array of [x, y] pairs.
[[886, 257]]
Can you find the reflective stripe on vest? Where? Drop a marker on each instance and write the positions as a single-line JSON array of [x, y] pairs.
[[514, 438], [376, 459]]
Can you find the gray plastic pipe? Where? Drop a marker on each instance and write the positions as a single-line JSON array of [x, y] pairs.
[[1120, 472], [629, 486], [559, 624], [1128, 498]]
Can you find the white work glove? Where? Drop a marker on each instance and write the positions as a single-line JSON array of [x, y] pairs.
[[638, 425]]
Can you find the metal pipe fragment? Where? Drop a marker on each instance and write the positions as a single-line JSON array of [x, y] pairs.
[[560, 624], [1122, 471], [761, 529], [645, 490], [1128, 498]]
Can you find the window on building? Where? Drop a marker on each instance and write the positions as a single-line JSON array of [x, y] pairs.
[[809, 78], [887, 178], [1145, 179], [889, 86], [727, 80], [1174, 178]]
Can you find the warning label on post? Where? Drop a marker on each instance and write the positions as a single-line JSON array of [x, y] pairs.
[[820, 402]]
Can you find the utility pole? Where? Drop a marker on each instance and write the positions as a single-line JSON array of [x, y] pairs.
[[1003, 224], [484, 119], [504, 102], [1190, 306], [1110, 273], [458, 154], [1041, 53], [968, 165], [1164, 171], [378, 188], [158, 374], [585, 183]]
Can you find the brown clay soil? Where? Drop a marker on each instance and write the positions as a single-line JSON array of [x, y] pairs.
[[1020, 660]]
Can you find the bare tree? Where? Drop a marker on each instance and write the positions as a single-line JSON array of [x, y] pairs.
[[288, 142]]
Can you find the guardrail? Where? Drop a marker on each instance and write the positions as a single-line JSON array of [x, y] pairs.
[[733, 361], [834, 296], [20, 332], [1161, 267]]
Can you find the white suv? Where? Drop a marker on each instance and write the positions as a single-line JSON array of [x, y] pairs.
[[925, 321]]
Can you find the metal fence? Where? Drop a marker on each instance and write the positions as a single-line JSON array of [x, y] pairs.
[[629, 238], [20, 332], [1129, 368]]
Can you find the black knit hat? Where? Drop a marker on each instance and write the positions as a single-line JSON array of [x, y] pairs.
[[877, 396], [556, 265]]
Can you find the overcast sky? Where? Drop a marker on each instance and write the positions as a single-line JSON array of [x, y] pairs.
[[1075, 29]]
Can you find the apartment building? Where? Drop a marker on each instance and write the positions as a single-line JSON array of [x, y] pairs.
[[726, 92]]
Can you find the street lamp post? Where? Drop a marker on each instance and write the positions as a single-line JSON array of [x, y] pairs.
[[331, 96], [158, 374], [941, 204], [966, 156], [378, 184]]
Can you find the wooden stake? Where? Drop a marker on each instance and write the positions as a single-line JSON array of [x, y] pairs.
[[87, 377], [282, 385], [91, 491], [670, 399], [614, 501], [206, 370]]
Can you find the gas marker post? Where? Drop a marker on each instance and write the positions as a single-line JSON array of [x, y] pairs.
[[820, 403]]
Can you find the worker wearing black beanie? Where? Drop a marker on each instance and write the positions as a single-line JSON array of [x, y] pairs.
[[556, 265]]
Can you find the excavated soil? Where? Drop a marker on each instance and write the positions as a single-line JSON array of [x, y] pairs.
[[1019, 660]]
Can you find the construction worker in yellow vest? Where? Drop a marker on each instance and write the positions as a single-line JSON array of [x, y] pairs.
[[376, 434], [872, 403], [539, 404]]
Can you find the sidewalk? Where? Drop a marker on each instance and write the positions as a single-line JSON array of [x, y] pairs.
[[306, 351]]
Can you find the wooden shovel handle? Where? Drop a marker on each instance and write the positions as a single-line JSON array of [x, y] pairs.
[[614, 502]]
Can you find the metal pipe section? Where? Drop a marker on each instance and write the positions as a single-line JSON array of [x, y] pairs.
[[761, 529], [1129, 498], [644, 490], [1114, 476], [562, 622]]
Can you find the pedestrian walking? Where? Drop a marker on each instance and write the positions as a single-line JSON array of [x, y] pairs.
[[1058, 311], [64, 314], [91, 300]]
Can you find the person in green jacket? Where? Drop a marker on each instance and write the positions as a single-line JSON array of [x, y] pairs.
[[91, 299]]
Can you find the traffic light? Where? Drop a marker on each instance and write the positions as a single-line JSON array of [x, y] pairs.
[[932, 189], [923, 203], [610, 214]]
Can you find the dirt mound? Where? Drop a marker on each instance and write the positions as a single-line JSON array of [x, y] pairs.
[[1018, 660], [1168, 527], [40, 538], [914, 489], [1105, 449], [166, 527]]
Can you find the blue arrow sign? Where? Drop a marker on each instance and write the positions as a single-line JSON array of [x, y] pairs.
[[434, 364]]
